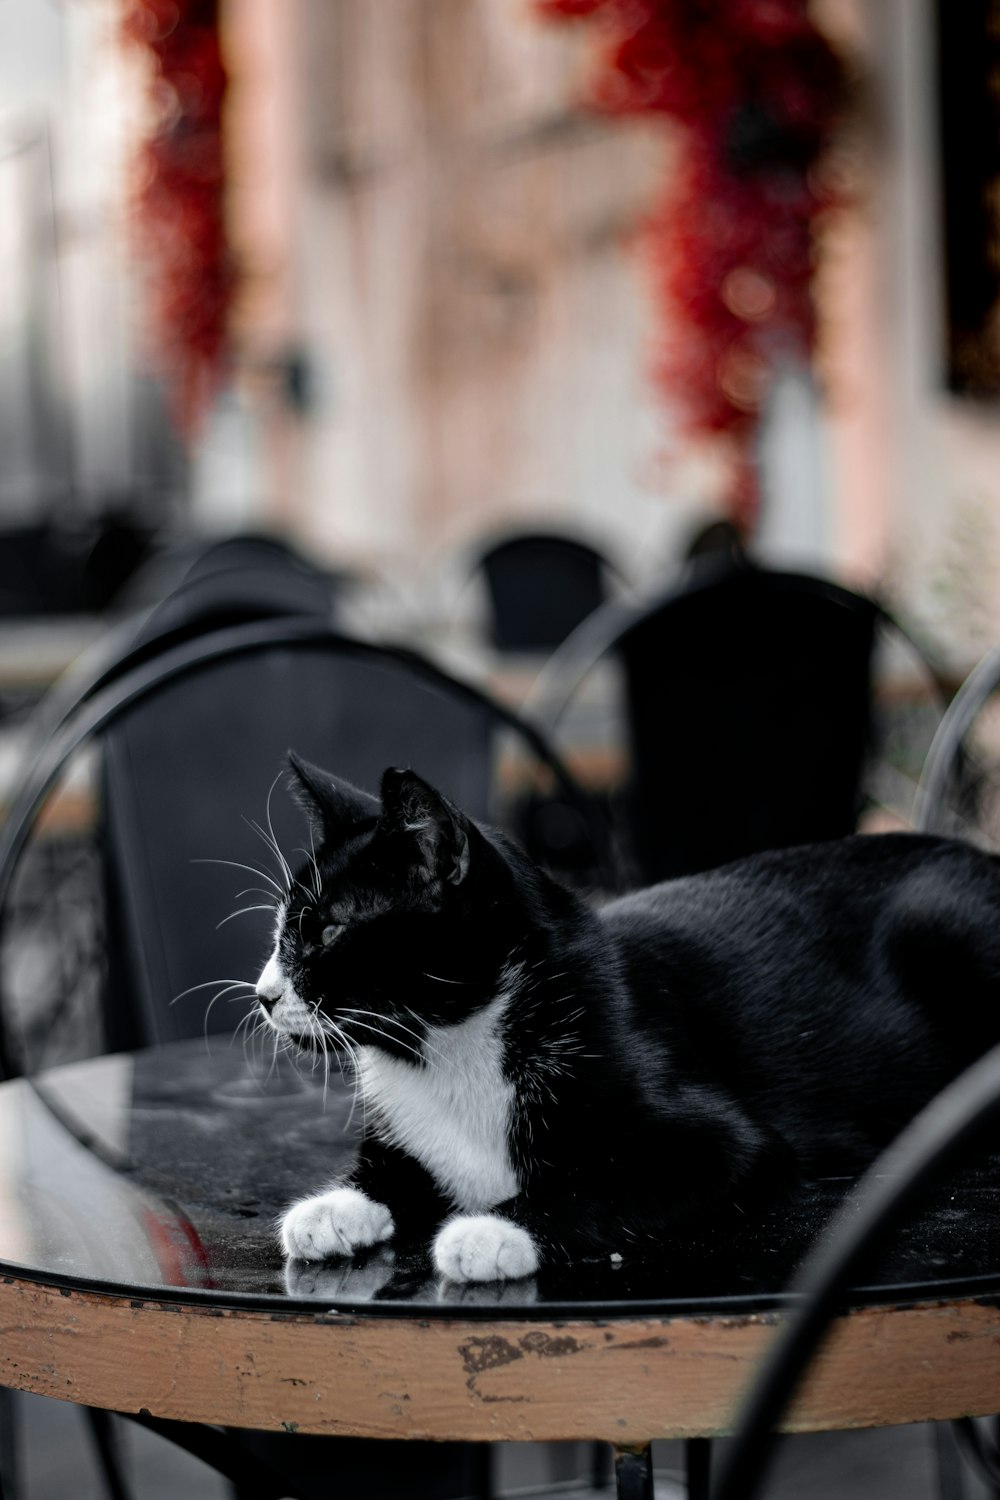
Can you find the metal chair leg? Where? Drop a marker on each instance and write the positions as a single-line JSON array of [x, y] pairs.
[[8, 1445], [108, 1445], [948, 1462], [601, 1466], [249, 1474], [483, 1461], [634, 1473], [978, 1444], [698, 1464]]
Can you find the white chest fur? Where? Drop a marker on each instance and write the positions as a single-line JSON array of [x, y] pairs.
[[452, 1114]]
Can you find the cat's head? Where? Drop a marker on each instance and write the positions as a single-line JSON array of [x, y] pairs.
[[402, 916]]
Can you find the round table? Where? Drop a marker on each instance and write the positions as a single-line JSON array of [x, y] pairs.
[[140, 1272]]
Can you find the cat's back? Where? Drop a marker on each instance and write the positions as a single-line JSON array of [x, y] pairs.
[[842, 982], [812, 894]]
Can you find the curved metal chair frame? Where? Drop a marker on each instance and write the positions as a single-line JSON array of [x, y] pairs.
[[614, 626], [942, 760], [181, 615], [952, 1124], [99, 709], [565, 670]]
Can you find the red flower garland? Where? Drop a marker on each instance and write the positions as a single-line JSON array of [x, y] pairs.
[[759, 92], [180, 194]]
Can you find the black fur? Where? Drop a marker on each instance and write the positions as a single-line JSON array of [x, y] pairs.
[[681, 1052]]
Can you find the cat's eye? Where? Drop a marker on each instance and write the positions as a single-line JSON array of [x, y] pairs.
[[330, 934]]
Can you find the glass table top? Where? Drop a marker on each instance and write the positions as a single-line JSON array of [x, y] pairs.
[[162, 1173]]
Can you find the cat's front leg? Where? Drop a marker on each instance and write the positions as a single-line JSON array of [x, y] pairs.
[[386, 1190]]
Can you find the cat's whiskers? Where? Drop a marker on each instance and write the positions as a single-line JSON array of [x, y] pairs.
[[381, 1038], [310, 854], [243, 910], [290, 880], [422, 1035], [271, 840], [253, 890], [226, 990], [324, 1054], [226, 987], [234, 864], [270, 828], [209, 984], [254, 1029], [268, 835], [344, 1045], [354, 1013], [316, 1052], [280, 1044], [325, 1030]]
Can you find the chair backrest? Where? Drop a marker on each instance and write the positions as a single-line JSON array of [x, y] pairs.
[[180, 558], [749, 708], [748, 713], [232, 581], [540, 587], [233, 596], [192, 743]]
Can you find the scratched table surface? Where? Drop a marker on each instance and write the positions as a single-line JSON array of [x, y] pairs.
[[163, 1172]]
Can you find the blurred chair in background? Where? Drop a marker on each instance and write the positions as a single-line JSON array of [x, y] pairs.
[[184, 591], [747, 706], [52, 568], [540, 587]]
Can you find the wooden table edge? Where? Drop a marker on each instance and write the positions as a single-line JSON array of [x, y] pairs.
[[626, 1381]]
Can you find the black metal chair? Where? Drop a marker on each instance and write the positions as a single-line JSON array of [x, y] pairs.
[[957, 1121], [191, 740], [540, 586], [58, 568], [747, 712]]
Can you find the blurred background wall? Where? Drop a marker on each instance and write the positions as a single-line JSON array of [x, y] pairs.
[[444, 323]]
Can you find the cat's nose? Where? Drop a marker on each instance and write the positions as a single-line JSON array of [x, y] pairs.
[[270, 985]]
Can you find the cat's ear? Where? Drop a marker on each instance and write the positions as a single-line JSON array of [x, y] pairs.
[[440, 832], [332, 806]]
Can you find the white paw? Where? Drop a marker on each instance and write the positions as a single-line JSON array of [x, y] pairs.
[[481, 1247], [334, 1223]]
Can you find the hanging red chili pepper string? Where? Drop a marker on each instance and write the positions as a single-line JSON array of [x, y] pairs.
[[758, 92], [180, 194]]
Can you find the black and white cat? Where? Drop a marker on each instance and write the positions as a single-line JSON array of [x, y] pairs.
[[543, 1081]]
